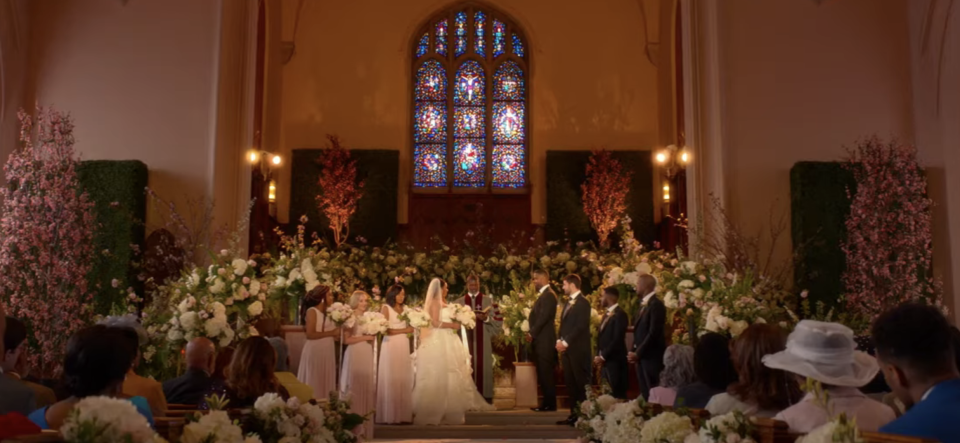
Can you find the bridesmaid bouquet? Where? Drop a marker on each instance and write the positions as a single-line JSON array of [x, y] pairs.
[[373, 323], [416, 318], [464, 315], [105, 419], [340, 314]]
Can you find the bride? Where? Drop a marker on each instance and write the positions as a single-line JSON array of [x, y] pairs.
[[444, 389]]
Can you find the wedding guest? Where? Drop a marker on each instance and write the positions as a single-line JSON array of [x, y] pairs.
[[760, 391], [356, 378], [677, 372], [649, 339], [14, 362], [489, 323], [715, 372], [189, 388], [135, 385], [612, 344], [826, 352], [318, 363], [270, 329], [14, 396], [98, 359], [250, 375], [542, 338], [395, 383], [917, 357]]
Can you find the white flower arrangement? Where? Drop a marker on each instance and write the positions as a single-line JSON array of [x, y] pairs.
[[463, 315], [106, 420], [290, 421], [838, 430], [373, 323], [624, 422], [416, 318], [215, 427], [592, 415], [734, 427], [340, 314], [668, 427]]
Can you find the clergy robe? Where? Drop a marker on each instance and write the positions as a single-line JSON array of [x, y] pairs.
[[481, 350]]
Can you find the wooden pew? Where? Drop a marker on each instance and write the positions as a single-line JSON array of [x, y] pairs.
[[774, 431], [170, 428], [42, 437]]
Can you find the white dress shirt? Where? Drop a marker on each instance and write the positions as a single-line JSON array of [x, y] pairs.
[[647, 297], [573, 298]]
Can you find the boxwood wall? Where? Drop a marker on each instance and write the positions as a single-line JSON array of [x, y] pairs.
[[376, 216], [117, 190], [819, 208], [566, 171]]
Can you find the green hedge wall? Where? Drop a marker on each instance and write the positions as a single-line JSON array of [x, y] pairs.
[[376, 216], [120, 225], [819, 207], [566, 171]]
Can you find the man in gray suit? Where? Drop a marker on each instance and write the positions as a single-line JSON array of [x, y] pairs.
[[14, 396]]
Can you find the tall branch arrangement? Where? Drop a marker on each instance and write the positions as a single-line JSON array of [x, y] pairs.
[[46, 237], [605, 193], [340, 189], [889, 244]]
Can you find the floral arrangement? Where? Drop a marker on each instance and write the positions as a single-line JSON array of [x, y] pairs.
[[276, 420], [515, 309], [339, 420], [727, 428], [605, 193], [293, 272], [372, 323], [417, 318], [106, 420], [341, 314], [215, 427], [463, 315], [840, 429], [46, 237], [341, 190], [890, 203], [625, 421], [591, 417], [668, 427]]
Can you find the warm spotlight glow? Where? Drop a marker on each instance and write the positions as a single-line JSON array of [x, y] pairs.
[[661, 157], [254, 156], [272, 196], [666, 188], [666, 197], [276, 159], [684, 158]]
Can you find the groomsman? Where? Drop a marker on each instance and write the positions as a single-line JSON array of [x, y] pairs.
[[612, 344], [649, 340], [574, 346], [488, 324], [543, 338]]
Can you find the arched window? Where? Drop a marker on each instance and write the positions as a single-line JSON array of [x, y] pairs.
[[470, 102]]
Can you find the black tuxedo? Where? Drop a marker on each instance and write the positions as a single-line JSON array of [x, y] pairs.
[[649, 343], [189, 388], [612, 345], [576, 360], [544, 346]]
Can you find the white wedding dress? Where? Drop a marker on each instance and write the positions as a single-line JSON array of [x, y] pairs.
[[444, 389]]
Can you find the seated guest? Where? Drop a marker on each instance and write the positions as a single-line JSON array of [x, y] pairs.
[[98, 358], [14, 396], [677, 372], [14, 362], [711, 363], [189, 388], [135, 385], [269, 329], [759, 391], [251, 374], [917, 357], [826, 352]]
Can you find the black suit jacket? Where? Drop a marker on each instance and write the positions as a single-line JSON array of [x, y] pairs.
[[575, 327], [189, 388], [612, 342], [649, 341], [541, 321]]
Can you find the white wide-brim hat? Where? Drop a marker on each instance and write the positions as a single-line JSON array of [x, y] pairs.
[[825, 352]]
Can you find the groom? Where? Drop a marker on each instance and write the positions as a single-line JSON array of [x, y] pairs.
[[574, 346], [488, 323]]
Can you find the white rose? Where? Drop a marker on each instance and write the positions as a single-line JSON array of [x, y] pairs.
[[217, 286], [254, 287], [189, 320], [525, 326], [239, 266], [686, 284], [255, 309], [174, 335], [526, 312]]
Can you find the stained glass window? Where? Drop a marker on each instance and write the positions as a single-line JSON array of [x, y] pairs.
[[470, 102], [517, 46], [499, 38]]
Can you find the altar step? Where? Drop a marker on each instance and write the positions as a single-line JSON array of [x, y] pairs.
[[499, 425]]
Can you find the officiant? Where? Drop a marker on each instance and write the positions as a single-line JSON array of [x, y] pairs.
[[488, 323]]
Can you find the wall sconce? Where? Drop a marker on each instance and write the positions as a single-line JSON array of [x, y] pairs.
[[272, 195], [666, 193], [672, 159], [265, 160]]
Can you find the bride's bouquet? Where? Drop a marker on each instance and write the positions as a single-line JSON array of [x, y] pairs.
[[340, 314], [464, 315], [416, 318], [373, 323]]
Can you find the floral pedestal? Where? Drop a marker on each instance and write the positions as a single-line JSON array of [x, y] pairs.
[[525, 385], [504, 394]]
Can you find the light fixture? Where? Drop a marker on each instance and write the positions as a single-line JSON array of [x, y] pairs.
[[264, 160], [275, 160], [254, 155], [272, 196], [672, 159], [666, 192]]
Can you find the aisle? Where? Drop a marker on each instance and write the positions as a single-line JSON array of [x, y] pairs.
[[497, 426]]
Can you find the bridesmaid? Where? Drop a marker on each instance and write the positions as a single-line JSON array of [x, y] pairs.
[[318, 365], [356, 377], [395, 384]]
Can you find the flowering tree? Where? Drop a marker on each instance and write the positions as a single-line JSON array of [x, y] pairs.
[[889, 241], [341, 190], [46, 236], [605, 193]]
